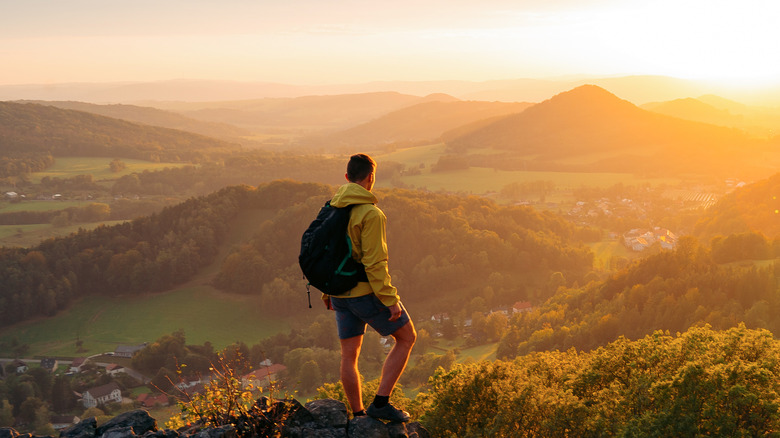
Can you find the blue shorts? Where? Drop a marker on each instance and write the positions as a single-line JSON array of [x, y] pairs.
[[352, 315]]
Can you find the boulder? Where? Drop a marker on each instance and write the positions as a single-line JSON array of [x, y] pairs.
[[139, 420], [83, 429]]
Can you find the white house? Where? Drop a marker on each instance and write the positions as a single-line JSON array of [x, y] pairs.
[[76, 364], [114, 369], [21, 366], [102, 395]]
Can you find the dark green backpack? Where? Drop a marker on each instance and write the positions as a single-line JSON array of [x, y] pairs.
[[326, 253]]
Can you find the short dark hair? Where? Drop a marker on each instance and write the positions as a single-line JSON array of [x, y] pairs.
[[359, 167]]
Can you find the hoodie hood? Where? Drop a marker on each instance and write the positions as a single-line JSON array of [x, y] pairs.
[[350, 194]]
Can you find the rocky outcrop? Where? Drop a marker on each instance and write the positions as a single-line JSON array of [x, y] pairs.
[[286, 418]]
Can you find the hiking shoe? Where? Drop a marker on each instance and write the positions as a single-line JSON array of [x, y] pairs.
[[388, 412]]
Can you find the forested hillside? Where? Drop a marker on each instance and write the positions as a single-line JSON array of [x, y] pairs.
[[753, 208], [31, 134], [447, 253], [509, 253], [672, 290], [702, 382], [153, 117]]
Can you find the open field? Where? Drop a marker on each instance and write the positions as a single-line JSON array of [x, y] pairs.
[[65, 167], [480, 352], [480, 181], [41, 205], [26, 236], [204, 313], [605, 250], [102, 323]]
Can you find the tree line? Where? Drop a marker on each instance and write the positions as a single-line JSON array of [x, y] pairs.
[[147, 254], [671, 290], [444, 251], [702, 382]]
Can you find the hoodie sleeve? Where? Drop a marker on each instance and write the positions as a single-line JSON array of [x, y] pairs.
[[374, 245]]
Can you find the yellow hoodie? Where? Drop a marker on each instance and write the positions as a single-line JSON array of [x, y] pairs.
[[369, 242]]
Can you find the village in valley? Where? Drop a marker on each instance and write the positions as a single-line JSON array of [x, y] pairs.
[[125, 386]]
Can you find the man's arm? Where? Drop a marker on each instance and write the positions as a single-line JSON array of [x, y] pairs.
[[374, 246]]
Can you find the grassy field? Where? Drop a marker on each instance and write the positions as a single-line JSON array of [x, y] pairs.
[[26, 236], [604, 250], [480, 352], [204, 314], [97, 167], [478, 180], [102, 323]]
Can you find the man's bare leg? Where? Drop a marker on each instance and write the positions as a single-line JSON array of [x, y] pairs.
[[350, 377], [396, 359]]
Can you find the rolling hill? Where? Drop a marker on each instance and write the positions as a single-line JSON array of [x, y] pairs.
[[421, 122], [752, 208], [152, 117], [588, 128], [757, 121], [695, 110], [30, 129], [306, 113]]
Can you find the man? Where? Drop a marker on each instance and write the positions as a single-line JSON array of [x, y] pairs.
[[374, 302]]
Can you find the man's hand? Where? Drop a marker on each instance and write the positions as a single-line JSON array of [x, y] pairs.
[[395, 311]]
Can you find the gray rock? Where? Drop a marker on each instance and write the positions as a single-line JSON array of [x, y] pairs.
[[83, 429], [8, 432], [139, 420], [328, 412], [217, 432], [305, 432], [119, 432], [164, 433], [415, 430], [367, 427]]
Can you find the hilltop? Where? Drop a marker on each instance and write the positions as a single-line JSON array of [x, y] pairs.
[[589, 128]]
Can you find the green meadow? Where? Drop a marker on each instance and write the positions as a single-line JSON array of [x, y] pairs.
[[26, 236], [204, 313], [480, 180], [66, 167], [101, 323]]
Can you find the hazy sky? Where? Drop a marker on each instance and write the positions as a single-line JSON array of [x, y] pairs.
[[334, 41]]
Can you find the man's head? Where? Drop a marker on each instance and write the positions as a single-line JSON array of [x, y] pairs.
[[360, 170]]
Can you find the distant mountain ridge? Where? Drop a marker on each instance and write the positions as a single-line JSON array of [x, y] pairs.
[[637, 89], [312, 112], [421, 122], [757, 121]]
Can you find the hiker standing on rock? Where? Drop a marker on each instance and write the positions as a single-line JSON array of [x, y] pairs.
[[374, 302]]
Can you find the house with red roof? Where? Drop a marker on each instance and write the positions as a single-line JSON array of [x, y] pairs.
[[263, 376], [148, 400]]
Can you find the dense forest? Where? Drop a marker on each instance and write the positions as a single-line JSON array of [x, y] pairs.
[[749, 208], [702, 382], [672, 290], [434, 237], [445, 251]]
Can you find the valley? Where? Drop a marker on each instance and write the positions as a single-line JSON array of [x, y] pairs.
[[516, 229]]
